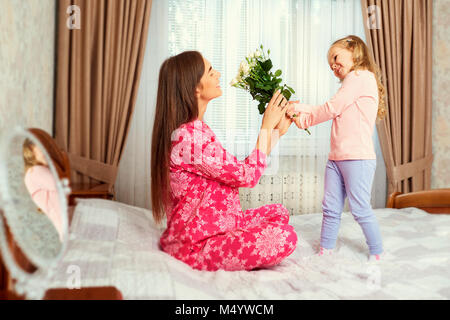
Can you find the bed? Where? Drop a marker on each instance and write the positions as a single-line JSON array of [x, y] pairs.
[[114, 244]]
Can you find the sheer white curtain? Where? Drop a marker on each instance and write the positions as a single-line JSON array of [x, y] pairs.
[[298, 34]]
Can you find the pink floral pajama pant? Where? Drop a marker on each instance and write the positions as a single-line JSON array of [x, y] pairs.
[[262, 239]]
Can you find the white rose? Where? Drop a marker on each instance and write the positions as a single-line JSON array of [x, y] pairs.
[[244, 68], [257, 54], [236, 80]]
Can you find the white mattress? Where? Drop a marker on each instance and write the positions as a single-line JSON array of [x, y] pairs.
[[116, 244]]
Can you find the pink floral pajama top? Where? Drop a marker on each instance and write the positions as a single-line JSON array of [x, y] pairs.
[[206, 227]]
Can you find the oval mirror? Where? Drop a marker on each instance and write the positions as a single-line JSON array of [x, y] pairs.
[[34, 219]]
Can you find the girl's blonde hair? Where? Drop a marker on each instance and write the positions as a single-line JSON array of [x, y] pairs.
[[362, 60], [29, 157]]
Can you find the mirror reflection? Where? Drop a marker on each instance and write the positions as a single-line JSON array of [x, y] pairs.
[[33, 217], [41, 184]]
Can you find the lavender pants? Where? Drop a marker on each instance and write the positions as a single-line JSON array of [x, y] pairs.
[[352, 179]]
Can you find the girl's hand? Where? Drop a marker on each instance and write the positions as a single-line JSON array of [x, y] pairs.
[[276, 109], [295, 116], [291, 113], [291, 109], [297, 122]]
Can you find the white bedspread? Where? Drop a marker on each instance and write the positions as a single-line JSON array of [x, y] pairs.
[[115, 244]]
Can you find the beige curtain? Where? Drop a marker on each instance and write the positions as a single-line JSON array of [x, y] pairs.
[[100, 53], [398, 33]]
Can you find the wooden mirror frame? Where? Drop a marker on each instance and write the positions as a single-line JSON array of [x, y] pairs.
[[62, 165]]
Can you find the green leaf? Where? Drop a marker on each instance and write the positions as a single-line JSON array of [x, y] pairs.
[[267, 65], [262, 107], [290, 89], [287, 94], [260, 64], [250, 82]]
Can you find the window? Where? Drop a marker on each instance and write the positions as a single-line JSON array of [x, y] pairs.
[[298, 33]]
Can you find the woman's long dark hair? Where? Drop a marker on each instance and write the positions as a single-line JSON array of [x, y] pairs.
[[176, 104]]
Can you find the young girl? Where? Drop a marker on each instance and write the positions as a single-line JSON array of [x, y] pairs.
[[351, 163], [41, 184], [195, 181]]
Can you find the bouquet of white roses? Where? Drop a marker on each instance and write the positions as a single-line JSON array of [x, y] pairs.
[[254, 76]]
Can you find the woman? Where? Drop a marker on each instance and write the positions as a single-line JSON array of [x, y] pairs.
[[195, 182]]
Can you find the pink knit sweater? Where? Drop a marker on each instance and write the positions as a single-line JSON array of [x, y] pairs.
[[42, 187], [353, 110]]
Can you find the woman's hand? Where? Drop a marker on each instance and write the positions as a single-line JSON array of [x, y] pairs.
[[283, 125], [276, 109]]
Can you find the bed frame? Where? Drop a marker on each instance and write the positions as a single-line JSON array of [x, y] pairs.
[[431, 201]]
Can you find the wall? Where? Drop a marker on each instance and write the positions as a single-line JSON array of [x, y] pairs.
[[27, 42], [440, 172]]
